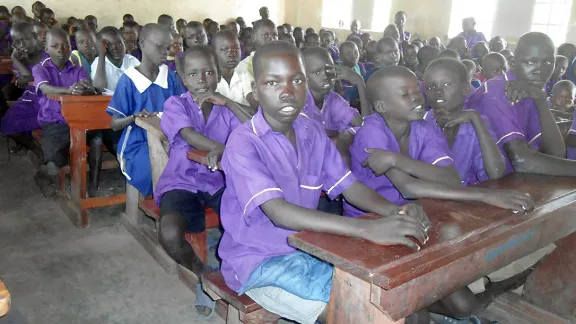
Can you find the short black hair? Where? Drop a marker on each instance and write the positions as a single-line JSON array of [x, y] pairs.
[[22, 27], [110, 30], [165, 19], [206, 50], [310, 35], [263, 23], [194, 24], [450, 64], [151, 28], [536, 39], [4, 9], [90, 17], [313, 51], [374, 84], [130, 24], [385, 41], [310, 30], [127, 16], [46, 11], [427, 54], [222, 34], [450, 53], [57, 31], [272, 48], [566, 84]]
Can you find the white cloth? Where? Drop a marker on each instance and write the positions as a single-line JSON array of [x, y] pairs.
[[113, 73], [245, 74], [235, 91], [287, 305]]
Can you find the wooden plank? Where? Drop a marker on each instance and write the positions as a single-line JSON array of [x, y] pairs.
[[5, 299], [509, 308], [6, 65], [215, 282], [200, 157]]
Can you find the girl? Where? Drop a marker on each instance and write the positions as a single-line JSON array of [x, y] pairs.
[[86, 53], [175, 50], [130, 35], [349, 57]]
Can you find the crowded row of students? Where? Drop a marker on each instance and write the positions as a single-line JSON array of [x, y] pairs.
[[375, 124]]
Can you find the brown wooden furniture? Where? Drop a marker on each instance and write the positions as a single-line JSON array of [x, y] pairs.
[[6, 66], [200, 157], [379, 284], [5, 299], [84, 113], [241, 309]]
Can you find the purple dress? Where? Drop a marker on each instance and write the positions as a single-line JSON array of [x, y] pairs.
[[472, 38], [23, 115], [336, 113], [171, 64]]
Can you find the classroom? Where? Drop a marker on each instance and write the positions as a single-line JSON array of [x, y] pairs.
[[288, 161]]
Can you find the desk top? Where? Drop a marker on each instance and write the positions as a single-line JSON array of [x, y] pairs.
[[459, 229], [70, 98]]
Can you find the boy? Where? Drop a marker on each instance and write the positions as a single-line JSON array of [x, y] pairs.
[[126, 18], [264, 32], [350, 56], [298, 36], [142, 91], [460, 45], [57, 75], [167, 21], [469, 33], [498, 44], [472, 68], [479, 51], [426, 55], [112, 60], [235, 28], [194, 34], [393, 32], [493, 65], [213, 28], [272, 191], [562, 101], [86, 53], [400, 20], [176, 49], [411, 58], [197, 119], [370, 55], [355, 28], [436, 43], [241, 22], [312, 40], [568, 50], [559, 70], [327, 41], [180, 24], [130, 33], [39, 29], [287, 38], [518, 110], [92, 22], [37, 8], [47, 17], [508, 55]]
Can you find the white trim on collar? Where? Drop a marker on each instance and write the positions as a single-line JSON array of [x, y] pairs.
[[142, 83]]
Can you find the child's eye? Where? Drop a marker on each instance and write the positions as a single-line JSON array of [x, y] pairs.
[[192, 74], [316, 73], [448, 84], [208, 72], [405, 94], [298, 81], [271, 83]]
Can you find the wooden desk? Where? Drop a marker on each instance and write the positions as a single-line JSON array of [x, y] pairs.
[[5, 299], [83, 113], [378, 284], [6, 66]]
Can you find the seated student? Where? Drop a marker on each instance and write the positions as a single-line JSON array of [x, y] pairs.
[[469, 33], [130, 33], [480, 50], [517, 108], [73, 29], [175, 49], [126, 18], [411, 58], [370, 55], [359, 44], [86, 53], [355, 27], [472, 69], [493, 65], [426, 55], [264, 32], [141, 91], [282, 30], [365, 38], [194, 34], [47, 17], [112, 60], [497, 44], [272, 192], [287, 38], [451, 53], [57, 75], [393, 32], [298, 36], [349, 57], [309, 30], [198, 119], [559, 70], [327, 41], [205, 22], [180, 24], [247, 42], [212, 29], [22, 117], [92, 22], [436, 43], [36, 8], [509, 56], [167, 21], [459, 45], [400, 19], [311, 40], [235, 28], [562, 102], [402, 157], [39, 29]]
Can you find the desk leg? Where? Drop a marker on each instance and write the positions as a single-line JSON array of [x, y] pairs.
[[552, 286], [78, 176], [350, 302]]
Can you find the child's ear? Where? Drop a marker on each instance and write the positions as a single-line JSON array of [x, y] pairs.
[[512, 62], [254, 91], [379, 106], [466, 89]]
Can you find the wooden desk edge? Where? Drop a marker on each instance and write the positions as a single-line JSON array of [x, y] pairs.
[[152, 125], [5, 299], [70, 98], [200, 157]]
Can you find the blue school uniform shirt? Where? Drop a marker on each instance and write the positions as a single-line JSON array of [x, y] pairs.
[[352, 94], [133, 94]]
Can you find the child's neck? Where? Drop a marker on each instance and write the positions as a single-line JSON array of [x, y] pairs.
[[227, 74], [400, 128], [148, 69], [116, 62], [318, 99]]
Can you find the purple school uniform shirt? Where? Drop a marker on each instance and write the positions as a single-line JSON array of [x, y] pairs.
[[180, 172], [47, 72], [427, 144], [334, 53], [260, 165], [336, 113], [407, 36], [466, 151], [171, 64], [509, 122], [472, 38]]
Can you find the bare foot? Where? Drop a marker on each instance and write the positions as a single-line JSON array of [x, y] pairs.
[[46, 184], [203, 310]]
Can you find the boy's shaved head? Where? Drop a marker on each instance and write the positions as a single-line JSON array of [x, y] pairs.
[[470, 68], [564, 85], [271, 49], [315, 52], [384, 43], [380, 81], [535, 39], [494, 64], [450, 53], [149, 29], [448, 63], [426, 55], [56, 32]]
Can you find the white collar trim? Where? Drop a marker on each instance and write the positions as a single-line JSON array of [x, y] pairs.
[[142, 83]]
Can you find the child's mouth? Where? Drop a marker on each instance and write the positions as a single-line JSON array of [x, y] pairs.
[[418, 108], [440, 100], [326, 86]]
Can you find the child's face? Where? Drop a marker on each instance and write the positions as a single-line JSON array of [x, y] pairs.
[[85, 44], [460, 46], [350, 54], [58, 47], [48, 19], [400, 20], [195, 36], [213, 29], [92, 24], [281, 88], [326, 40], [37, 7], [411, 55], [312, 40], [493, 68], [130, 34], [563, 98], [177, 46], [498, 44], [201, 74], [227, 51], [389, 55], [115, 47], [445, 91], [24, 41], [481, 50], [400, 98], [156, 46], [233, 26], [355, 27], [319, 81], [265, 34], [534, 63], [559, 68], [298, 34], [40, 33], [281, 30]]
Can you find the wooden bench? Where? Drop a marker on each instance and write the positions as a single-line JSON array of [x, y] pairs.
[[241, 309], [380, 284], [6, 65], [5, 299]]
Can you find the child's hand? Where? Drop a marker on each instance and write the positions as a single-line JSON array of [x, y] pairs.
[[509, 199], [417, 212], [16, 54], [448, 120], [394, 230], [100, 44], [517, 90], [22, 81], [214, 157], [143, 113], [344, 73], [379, 161], [214, 98]]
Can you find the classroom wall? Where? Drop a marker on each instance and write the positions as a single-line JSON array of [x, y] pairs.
[[110, 12]]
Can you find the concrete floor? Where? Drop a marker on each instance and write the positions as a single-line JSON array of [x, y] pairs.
[[57, 273]]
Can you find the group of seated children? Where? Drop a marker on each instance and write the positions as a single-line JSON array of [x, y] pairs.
[[288, 115]]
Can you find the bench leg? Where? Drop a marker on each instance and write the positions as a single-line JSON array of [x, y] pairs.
[[200, 246], [133, 198], [233, 316]]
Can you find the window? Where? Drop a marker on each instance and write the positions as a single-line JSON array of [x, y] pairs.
[[380, 14], [551, 17], [482, 11], [337, 13]]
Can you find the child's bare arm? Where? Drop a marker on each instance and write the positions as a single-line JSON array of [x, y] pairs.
[[242, 112], [100, 79], [571, 140], [199, 141], [524, 159], [20, 66]]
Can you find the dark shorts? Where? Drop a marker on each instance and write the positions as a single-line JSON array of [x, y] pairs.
[[330, 206], [190, 206], [56, 142]]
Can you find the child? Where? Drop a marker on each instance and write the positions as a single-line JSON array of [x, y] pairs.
[[57, 75], [460, 45], [112, 60], [568, 50], [282, 30], [167, 21], [309, 30], [562, 101], [289, 28], [298, 36], [508, 55], [246, 42], [350, 56], [559, 70], [365, 38], [37, 8], [264, 13], [39, 29], [370, 55], [518, 110], [272, 192], [22, 117], [18, 10], [479, 51], [47, 17], [327, 41], [498, 44], [400, 20], [355, 28], [92, 22], [126, 18], [241, 22], [287, 38], [426, 55], [469, 33], [213, 28], [86, 53], [450, 53], [175, 49], [402, 157], [411, 58], [194, 34], [73, 29], [359, 45], [393, 32], [472, 68], [130, 36], [235, 28], [198, 119], [493, 65], [180, 24], [137, 95], [312, 40], [436, 43]]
